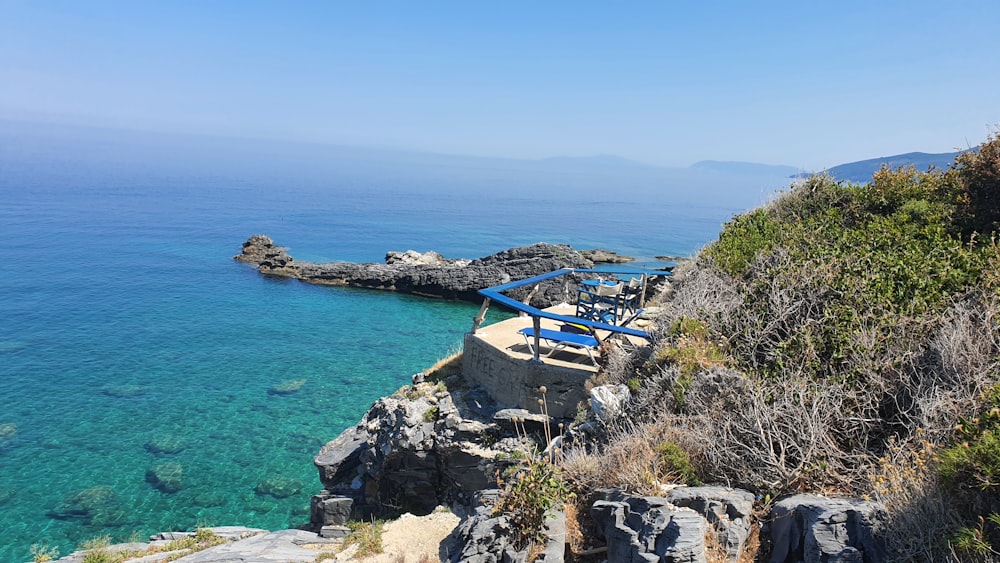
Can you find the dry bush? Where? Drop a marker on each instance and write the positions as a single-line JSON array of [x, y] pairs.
[[949, 376], [634, 459], [781, 429], [764, 435], [575, 539], [920, 512], [967, 340], [780, 437], [699, 291], [618, 365], [778, 325]]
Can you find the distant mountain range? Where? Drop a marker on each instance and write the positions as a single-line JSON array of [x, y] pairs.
[[24, 139], [862, 170], [746, 168]]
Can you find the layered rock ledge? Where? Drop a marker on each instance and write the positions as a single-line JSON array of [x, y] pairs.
[[428, 274], [428, 446]]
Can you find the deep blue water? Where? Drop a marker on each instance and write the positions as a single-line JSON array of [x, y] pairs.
[[126, 329]]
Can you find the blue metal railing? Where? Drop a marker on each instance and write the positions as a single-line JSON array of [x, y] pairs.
[[495, 294]]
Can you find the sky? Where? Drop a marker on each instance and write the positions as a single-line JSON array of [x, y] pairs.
[[809, 84]]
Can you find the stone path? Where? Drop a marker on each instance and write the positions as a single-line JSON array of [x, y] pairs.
[[409, 539], [273, 547]]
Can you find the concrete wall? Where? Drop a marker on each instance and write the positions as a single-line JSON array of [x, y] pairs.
[[514, 382]]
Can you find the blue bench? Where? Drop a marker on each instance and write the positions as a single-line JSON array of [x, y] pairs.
[[558, 340]]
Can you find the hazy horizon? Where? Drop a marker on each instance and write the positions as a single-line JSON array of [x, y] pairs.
[[796, 84]]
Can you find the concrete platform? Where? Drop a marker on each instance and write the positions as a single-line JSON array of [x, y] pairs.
[[505, 336], [497, 358]]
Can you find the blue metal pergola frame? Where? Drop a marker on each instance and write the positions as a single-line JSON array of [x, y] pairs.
[[495, 293]]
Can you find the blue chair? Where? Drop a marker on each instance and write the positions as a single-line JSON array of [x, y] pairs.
[[631, 296], [600, 302], [558, 340]]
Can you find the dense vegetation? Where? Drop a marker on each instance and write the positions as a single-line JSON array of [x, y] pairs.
[[843, 339]]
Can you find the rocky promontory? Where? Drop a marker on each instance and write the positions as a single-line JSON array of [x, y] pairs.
[[428, 274]]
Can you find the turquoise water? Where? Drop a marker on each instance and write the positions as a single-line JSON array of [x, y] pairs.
[[131, 343]]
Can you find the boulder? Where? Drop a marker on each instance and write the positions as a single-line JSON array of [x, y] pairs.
[[399, 456], [815, 529], [649, 529], [484, 537], [607, 400], [260, 251], [600, 256], [339, 461], [330, 509], [414, 258], [727, 510]]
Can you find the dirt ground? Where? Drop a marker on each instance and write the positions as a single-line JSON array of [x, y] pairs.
[[410, 539]]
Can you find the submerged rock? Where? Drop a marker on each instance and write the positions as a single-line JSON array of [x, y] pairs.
[[209, 499], [124, 391], [287, 387], [96, 506], [279, 486], [166, 477], [165, 444], [7, 432]]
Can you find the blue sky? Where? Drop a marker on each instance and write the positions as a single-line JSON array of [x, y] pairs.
[[807, 84]]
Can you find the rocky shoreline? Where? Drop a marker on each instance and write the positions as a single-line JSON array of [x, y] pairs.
[[430, 445], [428, 274], [444, 442]]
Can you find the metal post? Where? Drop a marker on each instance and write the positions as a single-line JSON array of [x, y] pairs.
[[478, 320], [537, 323]]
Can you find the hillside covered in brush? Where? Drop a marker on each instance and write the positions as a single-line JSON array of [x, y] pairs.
[[842, 339]]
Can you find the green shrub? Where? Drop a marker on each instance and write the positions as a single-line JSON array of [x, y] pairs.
[[528, 492], [367, 536], [691, 347], [973, 461], [676, 461], [431, 414], [827, 259], [979, 172], [742, 239], [43, 553]]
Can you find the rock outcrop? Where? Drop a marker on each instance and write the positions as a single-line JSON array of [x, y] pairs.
[[802, 528], [814, 528], [425, 446], [728, 511], [485, 537], [601, 256], [649, 529], [428, 274], [412, 451]]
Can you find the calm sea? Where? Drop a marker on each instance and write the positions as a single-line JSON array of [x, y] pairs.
[[131, 344]]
